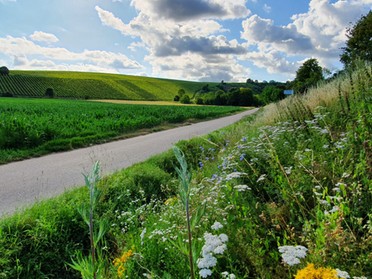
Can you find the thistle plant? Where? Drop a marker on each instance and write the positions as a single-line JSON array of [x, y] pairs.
[[93, 265], [184, 192]]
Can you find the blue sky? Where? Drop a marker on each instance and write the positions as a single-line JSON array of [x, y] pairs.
[[206, 40]]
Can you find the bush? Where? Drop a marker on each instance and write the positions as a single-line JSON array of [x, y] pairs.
[[199, 101], [185, 99], [49, 92]]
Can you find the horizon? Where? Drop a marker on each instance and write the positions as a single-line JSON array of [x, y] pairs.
[[190, 40]]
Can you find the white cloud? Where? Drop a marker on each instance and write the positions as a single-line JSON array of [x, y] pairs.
[[28, 54], [40, 36], [274, 62], [108, 19], [198, 36], [193, 66], [267, 8], [284, 38], [318, 33]]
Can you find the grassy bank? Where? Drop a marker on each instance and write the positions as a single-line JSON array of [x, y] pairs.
[[267, 196]]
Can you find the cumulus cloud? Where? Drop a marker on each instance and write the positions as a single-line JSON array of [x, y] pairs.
[[28, 54], [181, 10], [318, 33], [40, 36], [107, 18], [211, 68], [285, 38], [178, 30]]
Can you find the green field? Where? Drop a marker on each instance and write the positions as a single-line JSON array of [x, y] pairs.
[[38, 126], [83, 85]]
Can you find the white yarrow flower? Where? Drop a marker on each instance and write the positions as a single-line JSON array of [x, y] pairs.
[[234, 175], [204, 273], [214, 245], [242, 188], [342, 274], [216, 226], [292, 254]]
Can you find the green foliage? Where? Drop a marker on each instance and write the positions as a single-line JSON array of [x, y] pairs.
[[49, 92], [359, 43], [181, 92], [47, 233], [234, 97], [308, 75], [42, 126], [92, 266], [271, 94], [185, 99], [4, 71]]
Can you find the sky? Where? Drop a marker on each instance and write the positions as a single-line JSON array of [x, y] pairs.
[[201, 40]]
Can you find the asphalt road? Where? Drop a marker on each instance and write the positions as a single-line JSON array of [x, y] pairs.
[[26, 182]]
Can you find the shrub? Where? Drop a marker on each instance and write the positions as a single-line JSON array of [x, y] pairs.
[[185, 99], [49, 92]]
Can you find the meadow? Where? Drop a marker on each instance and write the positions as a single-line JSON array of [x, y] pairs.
[[282, 194], [30, 127], [81, 85]]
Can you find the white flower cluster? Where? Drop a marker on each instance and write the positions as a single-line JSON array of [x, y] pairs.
[[342, 274], [226, 275], [292, 254], [214, 245], [242, 188]]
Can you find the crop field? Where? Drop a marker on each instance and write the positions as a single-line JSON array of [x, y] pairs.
[[47, 125], [80, 85]]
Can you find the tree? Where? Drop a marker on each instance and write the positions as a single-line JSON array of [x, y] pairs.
[[185, 99], [246, 97], [181, 92], [4, 71], [49, 92], [271, 94], [359, 43], [308, 75]]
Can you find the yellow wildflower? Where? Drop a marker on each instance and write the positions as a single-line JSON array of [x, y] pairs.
[[310, 272], [120, 262]]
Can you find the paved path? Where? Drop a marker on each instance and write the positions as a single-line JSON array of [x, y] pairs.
[[25, 182]]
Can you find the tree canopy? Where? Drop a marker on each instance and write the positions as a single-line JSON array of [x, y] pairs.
[[308, 75], [359, 43], [4, 71]]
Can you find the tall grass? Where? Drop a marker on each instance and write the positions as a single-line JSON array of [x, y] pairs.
[[340, 90]]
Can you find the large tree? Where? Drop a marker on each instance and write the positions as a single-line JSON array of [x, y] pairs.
[[359, 43], [308, 75]]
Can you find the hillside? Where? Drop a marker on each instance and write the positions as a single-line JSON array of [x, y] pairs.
[[93, 85]]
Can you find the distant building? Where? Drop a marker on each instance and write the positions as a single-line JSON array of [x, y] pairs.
[[288, 92]]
